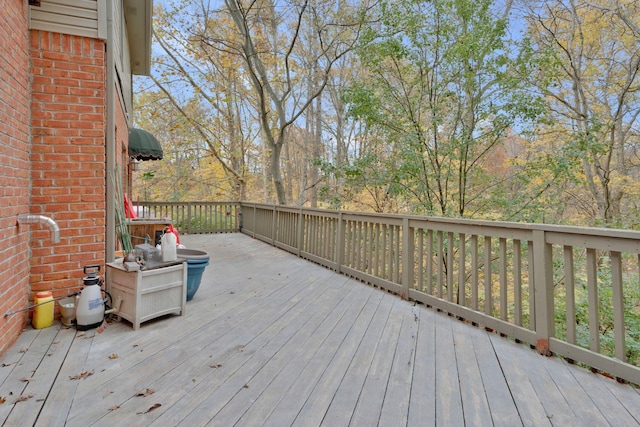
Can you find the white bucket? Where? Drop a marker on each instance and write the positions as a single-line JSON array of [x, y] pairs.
[[68, 311]]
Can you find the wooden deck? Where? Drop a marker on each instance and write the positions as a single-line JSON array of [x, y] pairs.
[[271, 339]]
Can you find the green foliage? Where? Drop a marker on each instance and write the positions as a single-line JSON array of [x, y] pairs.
[[441, 90], [631, 292]]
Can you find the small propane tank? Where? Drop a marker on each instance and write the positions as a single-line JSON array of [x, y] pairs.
[[43, 314], [169, 247], [90, 304]]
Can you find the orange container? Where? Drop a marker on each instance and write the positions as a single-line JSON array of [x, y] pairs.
[[43, 314]]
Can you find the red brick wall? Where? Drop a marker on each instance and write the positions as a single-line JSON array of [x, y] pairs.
[[14, 167], [68, 116]]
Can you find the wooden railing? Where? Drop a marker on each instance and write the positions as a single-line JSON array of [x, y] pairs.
[[195, 217], [572, 290]]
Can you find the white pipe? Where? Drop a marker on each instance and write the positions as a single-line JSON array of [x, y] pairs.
[[41, 219]]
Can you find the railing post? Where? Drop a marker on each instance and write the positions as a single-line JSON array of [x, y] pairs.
[[188, 218], [543, 286], [300, 231], [340, 244], [274, 225], [255, 215], [408, 249]]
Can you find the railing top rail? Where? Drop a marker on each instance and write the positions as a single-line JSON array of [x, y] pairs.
[[141, 203]]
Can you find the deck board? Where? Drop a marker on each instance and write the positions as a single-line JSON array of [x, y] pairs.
[[476, 407], [449, 406], [423, 385], [271, 339], [496, 389], [369, 407]]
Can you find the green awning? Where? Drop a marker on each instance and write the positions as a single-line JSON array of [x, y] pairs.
[[143, 145]]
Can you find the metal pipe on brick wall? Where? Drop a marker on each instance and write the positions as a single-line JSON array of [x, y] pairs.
[[41, 219]]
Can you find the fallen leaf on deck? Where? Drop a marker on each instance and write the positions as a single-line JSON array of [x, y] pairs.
[[113, 408], [246, 386], [26, 379], [113, 356], [81, 375], [4, 365], [2, 400], [146, 392], [215, 365], [24, 349], [157, 405], [24, 397]]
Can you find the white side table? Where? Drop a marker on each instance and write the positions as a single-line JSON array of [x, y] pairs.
[[150, 293]]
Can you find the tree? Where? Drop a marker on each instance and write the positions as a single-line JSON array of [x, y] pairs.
[[206, 88], [186, 172], [593, 93], [270, 39], [443, 92]]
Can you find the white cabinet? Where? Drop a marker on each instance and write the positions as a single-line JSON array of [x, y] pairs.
[[147, 294]]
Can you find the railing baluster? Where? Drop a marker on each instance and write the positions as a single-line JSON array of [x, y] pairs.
[[488, 294], [462, 249], [397, 253], [592, 296], [390, 252], [618, 305], [531, 287], [517, 282], [420, 260], [341, 242], [430, 262], [570, 298], [449, 272], [376, 267], [440, 284], [474, 272], [358, 246], [383, 251], [503, 278], [408, 251], [366, 249]]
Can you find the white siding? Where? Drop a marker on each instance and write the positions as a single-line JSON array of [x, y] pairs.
[[75, 17], [121, 54]]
